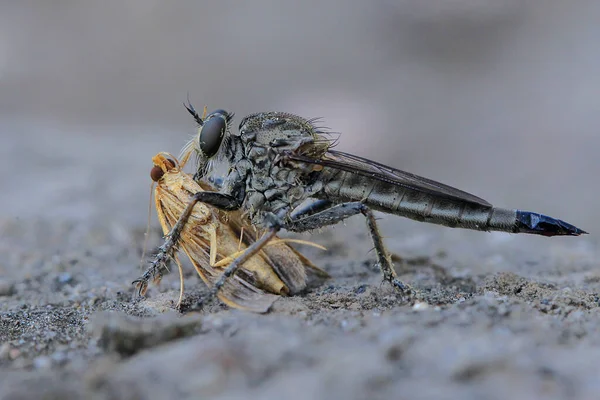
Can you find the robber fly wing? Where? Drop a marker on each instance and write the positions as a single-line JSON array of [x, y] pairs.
[[373, 170]]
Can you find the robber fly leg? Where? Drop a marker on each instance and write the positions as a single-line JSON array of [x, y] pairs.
[[238, 261], [216, 181], [163, 256], [384, 258], [310, 209], [340, 212], [274, 224], [154, 273]]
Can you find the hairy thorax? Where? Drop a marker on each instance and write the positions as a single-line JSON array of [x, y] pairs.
[[272, 182]]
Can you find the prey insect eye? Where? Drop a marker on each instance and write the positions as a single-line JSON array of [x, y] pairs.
[[212, 132], [156, 173], [170, 164]]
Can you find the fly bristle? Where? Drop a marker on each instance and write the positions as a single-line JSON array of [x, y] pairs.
[[189, 147]]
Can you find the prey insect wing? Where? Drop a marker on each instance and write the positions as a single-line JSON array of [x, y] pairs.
[[210, 236], [289, 264]]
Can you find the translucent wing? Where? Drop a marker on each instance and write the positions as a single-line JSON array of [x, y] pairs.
[[373, 170]]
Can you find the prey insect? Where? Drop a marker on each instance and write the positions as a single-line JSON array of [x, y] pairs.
[[212, 239], [277, 161]]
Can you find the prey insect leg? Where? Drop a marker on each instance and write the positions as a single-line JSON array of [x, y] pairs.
[[219, 200], [340, 212], [238, 261]]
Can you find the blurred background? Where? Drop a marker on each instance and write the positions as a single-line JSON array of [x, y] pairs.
[[497, 97]]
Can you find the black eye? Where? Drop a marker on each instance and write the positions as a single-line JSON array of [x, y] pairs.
[[220, 112], [212, 135]]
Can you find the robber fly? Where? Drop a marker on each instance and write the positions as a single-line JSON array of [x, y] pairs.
[[277, 161], [211, 239]]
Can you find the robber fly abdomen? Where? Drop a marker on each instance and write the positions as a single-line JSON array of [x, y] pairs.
[[420, 206], [476, 214]]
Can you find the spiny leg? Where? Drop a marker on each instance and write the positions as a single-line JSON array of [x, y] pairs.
[[154, 272], [310, 209], [162, 258], [340, 212], [383, 256]]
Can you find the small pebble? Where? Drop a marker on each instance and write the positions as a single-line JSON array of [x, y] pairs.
[[420, 306], [4, 351], [42, 362], [13, 354], [60, 358], [6, 288], [64, 278]]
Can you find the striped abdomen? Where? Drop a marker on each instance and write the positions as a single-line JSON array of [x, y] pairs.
[[390, 198]]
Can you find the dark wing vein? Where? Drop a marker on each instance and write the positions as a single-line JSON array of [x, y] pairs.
[[373, 170]]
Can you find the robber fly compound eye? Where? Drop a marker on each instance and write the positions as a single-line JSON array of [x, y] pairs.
[[212, 132]]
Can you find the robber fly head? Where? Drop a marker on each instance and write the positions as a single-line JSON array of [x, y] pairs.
[[213, 130]]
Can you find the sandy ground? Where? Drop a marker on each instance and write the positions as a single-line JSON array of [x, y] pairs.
[[500, 318], [498, 98]]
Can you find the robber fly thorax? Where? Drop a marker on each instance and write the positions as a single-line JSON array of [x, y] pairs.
[[278, 160], [260, 179]]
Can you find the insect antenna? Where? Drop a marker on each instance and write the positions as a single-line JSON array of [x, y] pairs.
[[193, 111], [147, 232]]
